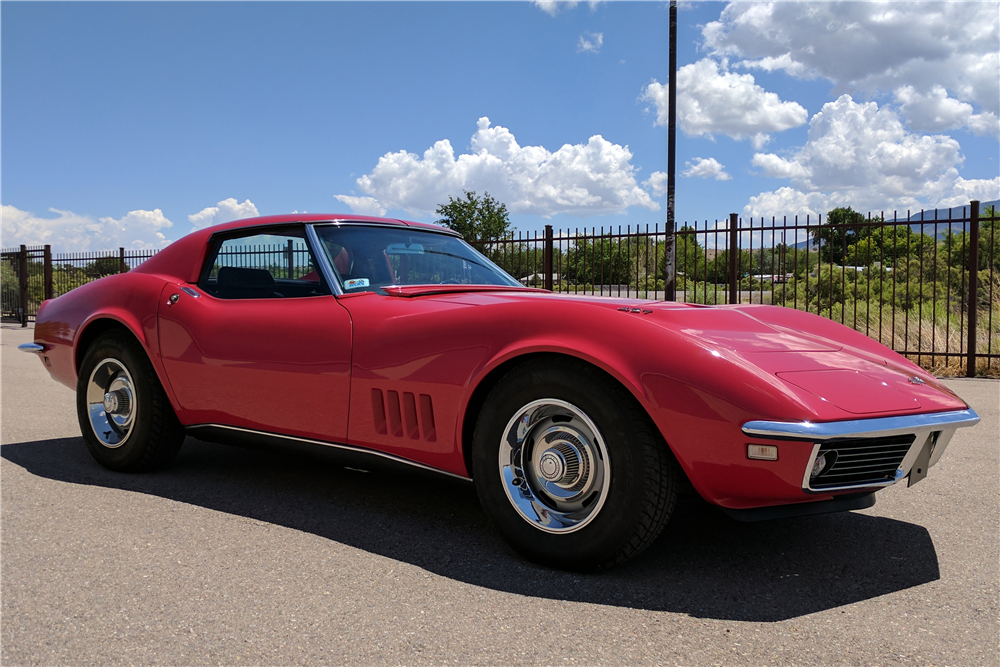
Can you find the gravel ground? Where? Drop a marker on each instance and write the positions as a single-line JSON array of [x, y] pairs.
[[239, 557]]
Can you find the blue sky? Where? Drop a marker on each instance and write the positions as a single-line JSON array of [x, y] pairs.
[[133, 123]]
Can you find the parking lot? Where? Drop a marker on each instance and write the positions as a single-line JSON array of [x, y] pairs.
[[240, 557]]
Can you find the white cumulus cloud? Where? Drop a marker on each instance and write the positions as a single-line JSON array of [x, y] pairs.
[[963, 191], [657, 183], [791, 204], [592, 43], [706, 168], [712, 101], [870, 46], [861, 147], [66, 231], [935, 111], [778, 167], [552, 7], [577, 179], [363, 205], [226, 210], [860, 155]]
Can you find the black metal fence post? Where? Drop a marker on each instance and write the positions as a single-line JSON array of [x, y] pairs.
[[970, 356], [547, 258], [122, 268], [669, 280], [22, 284], [734, 259], [669, 264], [47, 261]]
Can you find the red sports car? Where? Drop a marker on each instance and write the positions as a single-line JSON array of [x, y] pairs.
[[578, 418]]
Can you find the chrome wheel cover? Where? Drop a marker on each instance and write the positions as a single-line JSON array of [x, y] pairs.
[[554, 466], [111, 403]]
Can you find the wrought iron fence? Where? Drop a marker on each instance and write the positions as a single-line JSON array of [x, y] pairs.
[[31, 274], [926, 285], [290, 261]]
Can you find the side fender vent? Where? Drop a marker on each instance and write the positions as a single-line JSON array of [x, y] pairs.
[[378, 412], [413, 419]]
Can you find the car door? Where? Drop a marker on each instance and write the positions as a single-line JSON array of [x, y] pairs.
[[260, 342]]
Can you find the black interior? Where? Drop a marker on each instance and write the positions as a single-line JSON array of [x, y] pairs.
[[240, 283]]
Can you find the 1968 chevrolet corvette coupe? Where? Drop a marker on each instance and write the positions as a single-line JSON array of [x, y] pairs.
[[578, 418]]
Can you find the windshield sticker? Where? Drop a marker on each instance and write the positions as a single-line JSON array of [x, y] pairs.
[[355, 283]]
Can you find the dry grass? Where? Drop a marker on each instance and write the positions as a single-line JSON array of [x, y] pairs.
[[920, 333], [932, 335]]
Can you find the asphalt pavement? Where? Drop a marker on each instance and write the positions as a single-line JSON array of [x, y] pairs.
[[239, 557]]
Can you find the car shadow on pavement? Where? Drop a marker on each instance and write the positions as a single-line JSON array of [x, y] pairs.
[[705, 564]]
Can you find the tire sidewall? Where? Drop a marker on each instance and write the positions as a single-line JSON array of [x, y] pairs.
[[599, 541], [130, 454]]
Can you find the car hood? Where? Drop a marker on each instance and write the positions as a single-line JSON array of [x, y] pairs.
[[811, 360], [822, 358]]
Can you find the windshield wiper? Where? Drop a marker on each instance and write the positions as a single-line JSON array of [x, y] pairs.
[[448, 254]]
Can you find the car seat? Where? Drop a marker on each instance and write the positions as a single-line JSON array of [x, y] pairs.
[[239, 283]]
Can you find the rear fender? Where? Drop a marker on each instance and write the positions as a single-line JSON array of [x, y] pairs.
[[136, 312]]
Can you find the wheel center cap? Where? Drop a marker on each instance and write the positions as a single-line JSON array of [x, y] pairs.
[[110, 402], [551, 466]]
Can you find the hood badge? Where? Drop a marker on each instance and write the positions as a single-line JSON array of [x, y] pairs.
[[915, 380], [631, 309]]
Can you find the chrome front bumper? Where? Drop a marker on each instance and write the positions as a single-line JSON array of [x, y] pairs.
[[931, 435]]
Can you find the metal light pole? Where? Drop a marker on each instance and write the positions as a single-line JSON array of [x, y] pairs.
[[671, 260]]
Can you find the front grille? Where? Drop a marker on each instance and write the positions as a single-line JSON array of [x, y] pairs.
[[861, 461]]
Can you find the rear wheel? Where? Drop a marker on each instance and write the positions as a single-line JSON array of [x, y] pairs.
[[126, 420], [570, 468]]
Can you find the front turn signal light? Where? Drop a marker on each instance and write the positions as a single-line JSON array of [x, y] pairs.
[[762, 452]]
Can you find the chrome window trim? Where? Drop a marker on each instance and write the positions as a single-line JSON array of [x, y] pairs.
[[375, 223], [861, 428], [330, 274], [490, 262], [323, 260], [333, 445], [216, 240]]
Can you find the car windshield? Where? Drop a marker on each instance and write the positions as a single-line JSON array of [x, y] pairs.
[[370, 258]]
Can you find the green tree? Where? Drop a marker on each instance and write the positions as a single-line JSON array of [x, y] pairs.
[[689, 256], [989, 239], [103, 266], [600, 261], [480, 219], [519, 259], [843, 228], [718, 268], [885, 246]]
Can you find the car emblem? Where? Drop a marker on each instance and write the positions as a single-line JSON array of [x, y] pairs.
[[916, 380]]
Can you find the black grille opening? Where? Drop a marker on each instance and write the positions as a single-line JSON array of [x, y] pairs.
[[863, 460]]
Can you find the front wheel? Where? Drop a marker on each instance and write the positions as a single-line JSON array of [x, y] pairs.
[[125, 417], [570, 468]]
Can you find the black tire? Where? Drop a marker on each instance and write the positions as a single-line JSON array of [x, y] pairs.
[[141, 432], [642, 473]]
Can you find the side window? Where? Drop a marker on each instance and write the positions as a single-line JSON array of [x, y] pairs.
[[272, 265]]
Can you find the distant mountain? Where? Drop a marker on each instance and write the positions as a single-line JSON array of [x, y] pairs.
[[938, 230], [945, 213], [926, 225]]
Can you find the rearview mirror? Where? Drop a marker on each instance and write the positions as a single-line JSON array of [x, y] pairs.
[[404, 249]]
